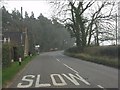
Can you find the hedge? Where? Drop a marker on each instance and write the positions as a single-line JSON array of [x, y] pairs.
[[6, 55]]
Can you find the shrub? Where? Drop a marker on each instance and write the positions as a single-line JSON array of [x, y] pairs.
[[6, 55], [20, 51], [111, 51], [106, 55], [118, 51], [74, 50]]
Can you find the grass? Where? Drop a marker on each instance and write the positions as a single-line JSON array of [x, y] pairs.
[[93, 54], [0, 77], [9, 73]]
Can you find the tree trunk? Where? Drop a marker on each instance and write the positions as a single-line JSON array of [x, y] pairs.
[[90, 33], [97, 39], [97, 34]]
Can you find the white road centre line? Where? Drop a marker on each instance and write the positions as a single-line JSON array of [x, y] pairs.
[[67, 66], [100, 86], [70, 68], [58, 60]]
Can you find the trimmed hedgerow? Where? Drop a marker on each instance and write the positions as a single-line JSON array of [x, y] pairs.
[[106, 55], [6, 55]]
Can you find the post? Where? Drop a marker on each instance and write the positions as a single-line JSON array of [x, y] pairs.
[[20, 60], [116, 29], [21, 13], [118, 23]]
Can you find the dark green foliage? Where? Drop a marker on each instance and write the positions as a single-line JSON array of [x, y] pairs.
[[106, 55], [119, 51], [6, 55], [110, 51], [20, 51], [43, 31], [47, 33], [74, 50], [96, 59]]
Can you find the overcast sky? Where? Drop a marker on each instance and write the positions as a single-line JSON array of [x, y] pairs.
[[36, 6]]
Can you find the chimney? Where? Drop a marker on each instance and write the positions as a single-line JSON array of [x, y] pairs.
[[21, 13]]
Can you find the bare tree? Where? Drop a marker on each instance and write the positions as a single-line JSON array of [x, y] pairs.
[[86, 19], [101, 20]]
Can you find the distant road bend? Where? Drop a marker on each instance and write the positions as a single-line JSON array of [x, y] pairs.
[[55, 70]]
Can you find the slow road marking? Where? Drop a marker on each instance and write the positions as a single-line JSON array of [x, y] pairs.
[[100, 86], [62, 83], [29, 80]]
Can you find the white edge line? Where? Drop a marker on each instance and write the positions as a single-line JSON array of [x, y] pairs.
[[100, 86]]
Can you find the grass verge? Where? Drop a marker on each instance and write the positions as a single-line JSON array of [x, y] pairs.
[[9, 73], [104, 60], [0, 78]]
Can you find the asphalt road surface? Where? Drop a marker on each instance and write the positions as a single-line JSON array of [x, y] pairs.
[[55, 70]]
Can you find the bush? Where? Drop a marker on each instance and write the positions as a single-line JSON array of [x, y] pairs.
[[6, 55], [110, 51], [96, 59], [106, 55], [74, 50], [118, 51], [20, 51]]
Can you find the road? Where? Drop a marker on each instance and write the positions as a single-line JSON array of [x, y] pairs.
[[55, 70]]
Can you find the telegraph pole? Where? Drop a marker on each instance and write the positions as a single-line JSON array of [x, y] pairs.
[[21, 13], [116, 29], [21, 27]]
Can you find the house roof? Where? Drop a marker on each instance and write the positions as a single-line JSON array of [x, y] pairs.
[[15, 37]]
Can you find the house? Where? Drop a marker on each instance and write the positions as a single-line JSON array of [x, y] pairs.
[[18, 40], [15, 38]]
